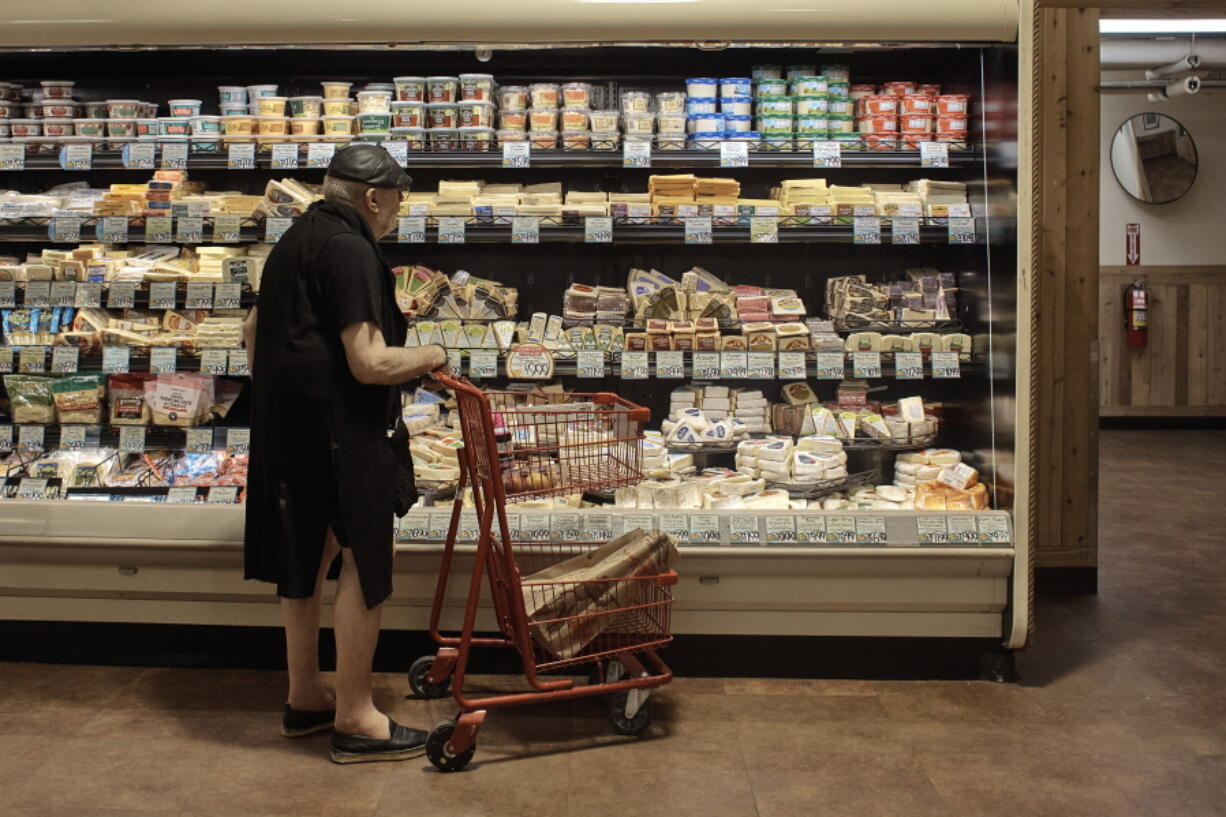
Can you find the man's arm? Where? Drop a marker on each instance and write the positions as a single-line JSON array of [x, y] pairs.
[[373, 362], [249, 340]]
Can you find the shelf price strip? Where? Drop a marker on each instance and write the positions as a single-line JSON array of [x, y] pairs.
[[516, 154], [670, 365], [946, 366], [319, 154], [791, 366], [706, 365], [810, 529], [64, 359], [12, 157], [908, 366], [598, 230], [733, 154], [525, 230], [827, 154], [411, 230], [634, 366], [451, 229], [163, 360], [285, 156], [698, 230], [763, 230], [867, 230], [240, 156], [636, 154], [589, 363], [158, 229]]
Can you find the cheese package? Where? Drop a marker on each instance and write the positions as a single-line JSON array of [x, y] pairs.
[[798, 393], [864, 342], [958, 342]]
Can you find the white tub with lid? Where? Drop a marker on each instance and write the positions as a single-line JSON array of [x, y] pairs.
[[704, 87], [737, 123], [704, 122], [702, 104], [735, 86], [736, 105]]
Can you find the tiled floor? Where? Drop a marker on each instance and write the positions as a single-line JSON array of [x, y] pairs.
[[1122, 712]]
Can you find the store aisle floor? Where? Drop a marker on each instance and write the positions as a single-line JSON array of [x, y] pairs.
[[1122, 712]]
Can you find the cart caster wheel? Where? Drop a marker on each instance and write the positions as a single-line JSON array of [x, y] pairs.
[[436, 749], [617, 715], [418, 683]]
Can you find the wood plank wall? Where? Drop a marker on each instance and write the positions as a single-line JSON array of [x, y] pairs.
[[1182, 370]]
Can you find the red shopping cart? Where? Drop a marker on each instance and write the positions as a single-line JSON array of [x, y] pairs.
[[521, 446]]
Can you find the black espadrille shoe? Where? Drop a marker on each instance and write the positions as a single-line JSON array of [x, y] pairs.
[[403, 744], [295, 722]]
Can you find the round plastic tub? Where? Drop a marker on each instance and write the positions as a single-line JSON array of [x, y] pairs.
[[255, 92], [736, 105], [841, 123], [336, 90], [337, 125], [476, 114], [671, 122], [206, 144], [121, 127], [233, 109], [444, 138], [810, 122], [796, 72], [6, 130], [149, 126], [705, 122], [952, 124], [877, 105], [810, 86], [774, 105], [57, 89], [205, 125], [376, 122], [899, 88], [236, 94], [416, 137], [880, 141], [89, 127], [337, 106], [750, 137], [238, 125], [307, 107], [699, 139], [917, 103], [877, 124], [805, 105], [774, 124], [542, 119], [702, 87], [513, 120], [93, 110], [670, 102], [477, 87], [638, 123], [303, 126], [57, 109], [701, 104], [836, 72], [443, 114], [270, 106], [737, 123], [272, 125], [576, 95], [58, 128], [604, 121], [374, 102], [635, 102], [184, 107], [544, 94], [410, 89], [916, 123], [841, 106], [951, 104], [736, 86], [912, 141], [575, 119], [513, 98], [9, 110], [806, 138], [174, 126], [409, 114], [838, 88], [442, 89], [771, 87], [476, 138], [858, 91]]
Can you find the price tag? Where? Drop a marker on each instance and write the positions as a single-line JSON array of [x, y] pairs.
[[676, 525], [516, 154], [597, 527], [77, 157], [199, 296], [867, 230], [228, 296], [86, 294], [945, 366], [222, 495], [189, 230], [525, 230], [65, 359], [840, 530], [181, 495], [38, 294], [163, 360], [399, 150], [904, 230], [636, 154], [29, 488], [319, 154], [934, 154], [138, 156], [12, 157], [733, 365], [413, 526], [639, 521], [763, 230], [781, 529], [870, 530], [961, 230], [993, 530], [483, 363], [240, 156], [162, 295], [174, 156], [908, 366], [285, 156], [827, 154], [670, 365], [213, 361], [116, 359], [704, 529], [810, 529], [598, 230], [112, 229], [158, 230], [791, 365], [65, 230], [274, 228], [8, 295], [6, 438], [455, 360], [962, 530], [63, 293], [121, 295], [227, 229], [32, 360], [411, 230], [706, 365], [760, 365], [469, 528], [866, 364], [589, 363], [238, 441], [734, 154], [72, 437], [959, 211], [830, 366], [30, 439], [634, 366], [564, 526], [451, 228], [698, 229], [932, 530], [743, 529], [436, 529], [131, 439], [237, 363], [534, 526], [199, 440]]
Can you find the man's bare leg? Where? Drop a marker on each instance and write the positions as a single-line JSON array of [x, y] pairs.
[[301, 617], [357, 633]]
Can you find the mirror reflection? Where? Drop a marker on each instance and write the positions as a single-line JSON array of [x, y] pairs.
[[1154, 158]]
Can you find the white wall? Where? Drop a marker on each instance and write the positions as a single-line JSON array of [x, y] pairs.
[[1191, 230]]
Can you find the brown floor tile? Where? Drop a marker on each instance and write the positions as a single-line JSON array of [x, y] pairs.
[[799, 686], [497, 782], [27, 686], [46, 719], [186, 725], [958, 701], [842, 785], [21, 756], [204, 689], [1171, 785], [624, 779]]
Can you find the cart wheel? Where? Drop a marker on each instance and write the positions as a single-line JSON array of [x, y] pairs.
[[418, 683], [617, 715], [436, 749]]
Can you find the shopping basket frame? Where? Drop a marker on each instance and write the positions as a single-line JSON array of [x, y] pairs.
[[626, 671]]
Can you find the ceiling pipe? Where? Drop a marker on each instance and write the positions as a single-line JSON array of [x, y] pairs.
[[1154, 87], [1183, 66], [1131, 53]]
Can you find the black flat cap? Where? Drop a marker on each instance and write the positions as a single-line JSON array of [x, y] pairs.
[[368, 164]]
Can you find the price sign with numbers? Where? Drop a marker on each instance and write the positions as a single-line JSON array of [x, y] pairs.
[[6, 438], [764, 230], [228, 296], [237, 363], [227, 229], [163, 359], [598, 230], [38, 293], [65, 230], [962, 530], [116, 359], [199, 295], [87, 294], [162, 295], [589, 363], [238, 441], [8, 295], [704, 529], [199, 440], [743, 529], [993, 530], [676, 525], [636, 154], [139, 156], [867, 230], [414, 525], [908, 366], [30, 439], [411, 230], [643, 521], [525, 230], [698, 230], [285, 156], [451, 229], [72, 437], [319, 154], [469, 528], [112, 229], [564, 526], [32, 360], [158, 230], [733, 365], [240, 156], [597, 527], [12, 157], [904, 230], [483, 363], [706, 365], [961, 230], [64, 359], [63, 293], [827, 154], [455, 360], [121, 295], [781, 529], [30, 488], [634, 366], [181, 494], [516, 154], [734, 154], [670, 365], [945, 366], [189, 230], [274, 228], [932, 530], [213, 361], [77, 157], [174, 155], [131, 439], [791, 365], [830, 366], [866, 364], [399, 150], [760, 365], [222, 495], [810, 529], [934, 154], [840, 530], [534, 526], [870, 530]]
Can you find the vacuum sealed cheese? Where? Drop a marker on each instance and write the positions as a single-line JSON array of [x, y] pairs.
[[78, 398]]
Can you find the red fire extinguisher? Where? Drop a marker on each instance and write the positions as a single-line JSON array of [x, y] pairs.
[[1136, 315]]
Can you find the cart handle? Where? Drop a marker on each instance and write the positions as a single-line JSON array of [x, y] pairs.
[[667, 579]]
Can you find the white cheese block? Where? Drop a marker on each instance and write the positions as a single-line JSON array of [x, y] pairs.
[[891, 493]]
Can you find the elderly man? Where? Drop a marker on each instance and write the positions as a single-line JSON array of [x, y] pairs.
[[326, 343]]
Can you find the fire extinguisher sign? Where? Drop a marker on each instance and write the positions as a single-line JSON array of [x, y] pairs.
[[1132, 244]]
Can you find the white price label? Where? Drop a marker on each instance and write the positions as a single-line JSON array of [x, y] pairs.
[[213, 361], [72, 437], [865, 365], [763, 230], [131, 439], [870, 530], [945, 366], [121, 295], [237, 364], [516, 154], [163, 360], [32, 360], [962, 530], [8, 295], [676, 525], [451, 229], [240, 156], [189, 230], [634, 366], [734, 154], [112, 229], [411, 230], [469, 527], [65, 359], [6, 438], [565, 526], [159, 230], [12, 157], [781, 529], [238, 441], [30, 439], [959, 211], [414, 526], [698, 230], [526, 230], [228, 296], [706, 365], [116, 359], [199, 440], [174, 156], [733, 365], [65, 230], [87, 294], [319, 154], [827, 154], [867, 230], [139, 156], [670, 365], [437, 527], [904, 230], [840, 530], [810, 529], [455, 360], [199, 295], [993, 530], [830, 366], [38, 294], [934, 154], [743, 529], [276, 227], [589, 363], [791, 366], [704, 529], [931, 530], [639, 521], [636, 154], [483, 363], [597, 527], [598, 230], [29, 488], [181, 495], [399, 150], [908, 366], [961, 230], [222, 495], [76, 157], [162, 295], [285, 156], [534, 526], [227, 229], [760, 365]]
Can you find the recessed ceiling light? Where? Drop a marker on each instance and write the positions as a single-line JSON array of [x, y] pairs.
[[1163, 26]]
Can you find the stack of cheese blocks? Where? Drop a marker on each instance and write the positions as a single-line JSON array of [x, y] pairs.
[[926, 296], [716, 488], [748, 406], [799, 196], [754, 303], [287, 198], [869, 498], [167, 187], [811, 459], [938, 197], [122, 200], [659, 463], [671, 195], [939, 481], [587, 304], [436, 458]]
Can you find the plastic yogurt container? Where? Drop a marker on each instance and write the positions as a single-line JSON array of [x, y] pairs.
[[836, 72], [184, 107], [443, 115], [309, 107], [174, 126], [272, 125], [304, 126], [774, 123], [838, 88], [476, 114], [841, 123], [205, 125], [771, 87], [736, 105], [701, 104], [233, 108], [774, 104], [89, 127], [238, 125], [410, 89], [706, 136], [206, 144], [442, 89], [761, 72], [337, 124], [809, 86], [917, 103], [374, 102], [149, 126], [797, 71], [635, 102], [57, 108], [378, 122], [951, 104], [736, 86], [270, 106], [812, 104], [255, 92], [57, 128], [737, 123], [119, 127], [810, 122], [706, 87], [884, 123], [92, 110], [409, 114], [9, 110], [842, 106], [57, 89], [858, 91], [336, 90], [236, 94], [337, 106], [705, 122], [513, 98]]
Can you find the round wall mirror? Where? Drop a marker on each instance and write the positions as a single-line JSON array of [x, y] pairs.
[[1154, 158]]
